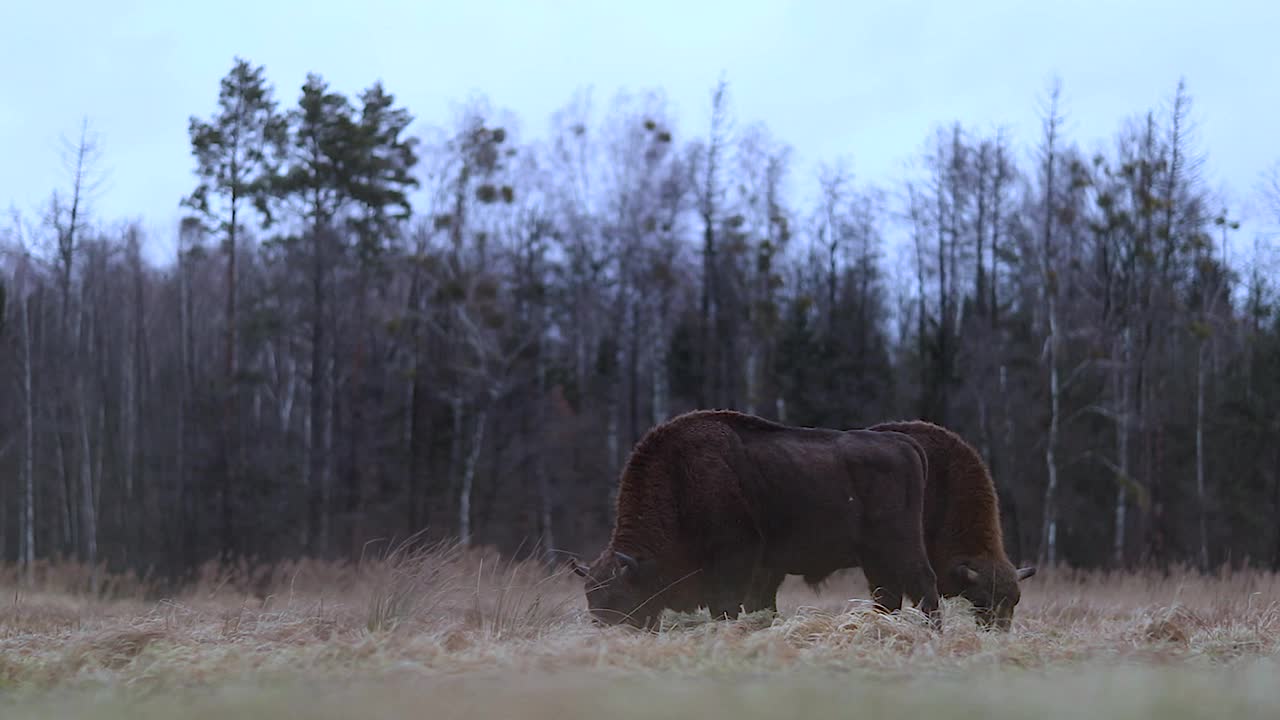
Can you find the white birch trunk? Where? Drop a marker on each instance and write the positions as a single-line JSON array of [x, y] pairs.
[[1051, 442], [469, 477], [88, 514], [546, 500], [660, 393], [1200, 490], [753, 379], [28, 461], [1049, 281], [1122, 451]]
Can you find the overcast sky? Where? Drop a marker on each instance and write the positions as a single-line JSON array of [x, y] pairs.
[[864, 80]]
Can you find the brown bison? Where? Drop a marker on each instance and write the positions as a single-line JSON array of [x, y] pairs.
[[716, 507], [962, 524]]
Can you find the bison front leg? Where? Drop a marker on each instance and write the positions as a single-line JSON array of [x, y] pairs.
[[745, 592], [893, 552], [894, 566], [727, 600], [723, 593], [885, 586], [889, 582], [922, 584]]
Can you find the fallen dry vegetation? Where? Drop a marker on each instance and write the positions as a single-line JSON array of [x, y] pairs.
[[469, 633]]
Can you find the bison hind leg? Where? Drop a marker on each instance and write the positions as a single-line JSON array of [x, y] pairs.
[[763, 592], [816, 580]]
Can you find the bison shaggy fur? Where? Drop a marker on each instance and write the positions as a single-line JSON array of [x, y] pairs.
[[715, 508], [962, 524]]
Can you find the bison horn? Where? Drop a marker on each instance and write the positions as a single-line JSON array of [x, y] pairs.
[[968, 574], [1026, 572], [627, 560]]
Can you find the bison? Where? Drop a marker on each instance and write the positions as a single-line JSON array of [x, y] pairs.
[[716, 507], [962, 529], [962, 524]]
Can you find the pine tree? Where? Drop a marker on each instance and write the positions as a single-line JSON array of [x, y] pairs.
[[233, 157], [319, 157], [381, 177]]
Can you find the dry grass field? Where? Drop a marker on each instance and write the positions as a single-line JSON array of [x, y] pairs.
[[445, 634]]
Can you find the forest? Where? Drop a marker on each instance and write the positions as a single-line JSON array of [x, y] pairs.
[[369, 332]]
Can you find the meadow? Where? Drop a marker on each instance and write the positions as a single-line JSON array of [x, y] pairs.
[[442, 633]]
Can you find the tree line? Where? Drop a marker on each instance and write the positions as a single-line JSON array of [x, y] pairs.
[[366, 334]]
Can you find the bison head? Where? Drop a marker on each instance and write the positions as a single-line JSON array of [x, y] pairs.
[[991, 586], [619, 590]]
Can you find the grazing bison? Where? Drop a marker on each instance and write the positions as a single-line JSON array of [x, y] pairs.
[[962, 524], [716, 507]]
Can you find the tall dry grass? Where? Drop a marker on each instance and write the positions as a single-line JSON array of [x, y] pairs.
[[416, 614]]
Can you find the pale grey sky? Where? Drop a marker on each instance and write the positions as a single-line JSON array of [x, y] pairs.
[[857, 79]]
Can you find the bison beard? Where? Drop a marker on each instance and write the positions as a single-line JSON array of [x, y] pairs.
[[716, 507], [962, 524]]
